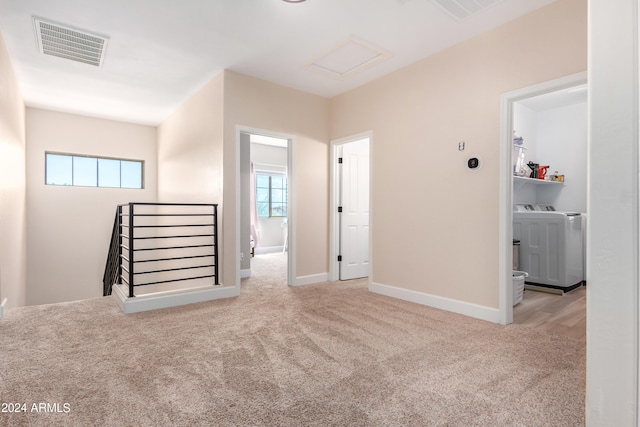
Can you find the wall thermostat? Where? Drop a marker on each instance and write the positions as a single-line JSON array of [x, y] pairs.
[[473, 163]]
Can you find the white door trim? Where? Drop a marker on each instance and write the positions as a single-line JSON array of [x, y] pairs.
[[505, 230], [291, 197], [334, 267]]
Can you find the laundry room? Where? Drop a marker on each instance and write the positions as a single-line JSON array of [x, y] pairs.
[[550, 193], [553, 132]]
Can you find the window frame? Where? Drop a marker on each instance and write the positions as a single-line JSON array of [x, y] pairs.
[[285, 203], [97, 160]]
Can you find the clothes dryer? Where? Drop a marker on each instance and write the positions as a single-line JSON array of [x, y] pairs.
[[551, 246]]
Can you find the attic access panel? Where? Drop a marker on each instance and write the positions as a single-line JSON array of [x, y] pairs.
[[348, 58], [461, 9]]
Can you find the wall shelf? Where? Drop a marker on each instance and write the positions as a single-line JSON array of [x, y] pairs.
[[535, 181]]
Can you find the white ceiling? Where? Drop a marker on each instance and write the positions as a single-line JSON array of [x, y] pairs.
[[160, 52]]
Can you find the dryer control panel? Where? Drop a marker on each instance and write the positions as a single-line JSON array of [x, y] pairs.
[[523, 208]]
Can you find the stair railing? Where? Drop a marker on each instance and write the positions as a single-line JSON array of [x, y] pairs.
[[163, 244], [112, 269]]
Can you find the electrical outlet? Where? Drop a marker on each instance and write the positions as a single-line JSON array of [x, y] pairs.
[[241, 256]]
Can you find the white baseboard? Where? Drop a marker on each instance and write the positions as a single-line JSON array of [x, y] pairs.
[[2, 306], [245, 273], [468, 309], [268, 250], [310, 280], [171, 298]]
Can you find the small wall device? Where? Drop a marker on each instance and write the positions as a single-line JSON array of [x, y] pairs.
[[473, 163]]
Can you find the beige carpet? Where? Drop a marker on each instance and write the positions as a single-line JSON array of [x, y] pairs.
[[268, 271], [320, 355]]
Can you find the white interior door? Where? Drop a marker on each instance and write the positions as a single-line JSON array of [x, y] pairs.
[[354, 216]]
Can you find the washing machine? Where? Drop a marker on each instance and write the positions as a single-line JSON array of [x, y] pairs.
[[551, 246]]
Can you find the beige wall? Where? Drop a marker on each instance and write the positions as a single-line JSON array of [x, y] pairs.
[[13, 246], [435, 223], [259, 104], [190, 153], [190, 149], [69, 227]]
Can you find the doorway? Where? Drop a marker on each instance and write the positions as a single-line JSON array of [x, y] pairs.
[[507, 200], [265, 192], [350, 248]]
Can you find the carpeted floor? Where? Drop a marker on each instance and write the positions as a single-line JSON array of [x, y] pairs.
[[319, 355], [268, 271]]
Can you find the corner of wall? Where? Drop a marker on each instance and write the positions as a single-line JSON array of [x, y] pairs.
[[12, 185]]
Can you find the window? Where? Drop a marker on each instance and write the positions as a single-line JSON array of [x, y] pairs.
[[86, 171], [271, 195]]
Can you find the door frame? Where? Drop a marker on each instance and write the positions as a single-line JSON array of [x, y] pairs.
[[334, 192], [505, 228], [291, 196]]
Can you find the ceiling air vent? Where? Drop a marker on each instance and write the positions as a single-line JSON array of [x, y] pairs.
[[461, 9], [70, 43]]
